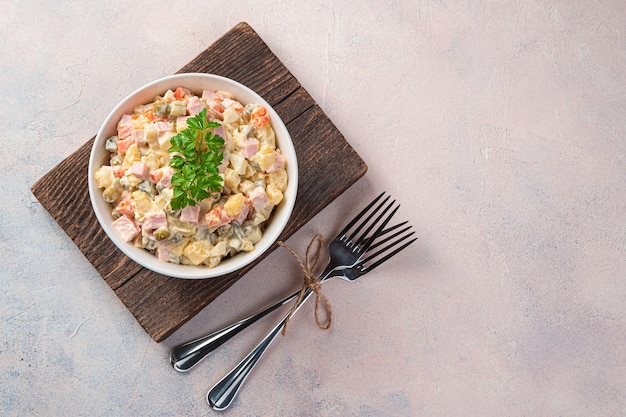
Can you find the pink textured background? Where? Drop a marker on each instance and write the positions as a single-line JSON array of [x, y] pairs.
[[500, 126]]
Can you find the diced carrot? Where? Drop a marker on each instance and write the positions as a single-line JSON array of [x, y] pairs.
[[238, 107], [118, 171], [156, 175], [123, 145], [217, 107], [259, 117], [124, 131], [181, 92], [217, 217], [126, 206], [149, 114]]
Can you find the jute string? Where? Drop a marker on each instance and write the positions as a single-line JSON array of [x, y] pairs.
[[313, 252]]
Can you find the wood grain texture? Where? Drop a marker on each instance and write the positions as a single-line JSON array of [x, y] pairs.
[[327, 166]]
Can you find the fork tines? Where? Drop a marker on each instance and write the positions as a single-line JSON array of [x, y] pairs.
[[360, 240], [393, 245], [384, 243]]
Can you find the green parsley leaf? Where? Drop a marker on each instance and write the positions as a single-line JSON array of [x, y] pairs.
[[197, 154]]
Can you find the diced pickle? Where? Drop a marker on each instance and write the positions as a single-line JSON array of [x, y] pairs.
[[225, 231], [148, 243], [175, 239], [162, 233], [110, 193], [161, 108], [116, 160], [111, 144], [146, 187]]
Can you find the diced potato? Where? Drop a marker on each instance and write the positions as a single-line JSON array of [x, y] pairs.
[[278, 179], [150, 132], [274, 194], [266, 136], [198, 251], [143, 205], [246, 245], [104, 176], [130, 181], [178, 108], [213, 261], [219, 249], [246, 186], [231, 178], [239, 163], [132, 156], [177, 249], [265, 158], [165, 140], [230, 115], [234, 205], [154, 160], [178, 226], [181, 124], [263, 215], [241, 245]]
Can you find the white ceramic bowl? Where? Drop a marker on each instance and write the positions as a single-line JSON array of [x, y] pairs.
[[196, 83]]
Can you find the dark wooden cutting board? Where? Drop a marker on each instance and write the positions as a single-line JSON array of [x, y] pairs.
[[327, 166]]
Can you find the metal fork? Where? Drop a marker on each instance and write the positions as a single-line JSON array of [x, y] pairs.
[[186, 356], [349, 259]]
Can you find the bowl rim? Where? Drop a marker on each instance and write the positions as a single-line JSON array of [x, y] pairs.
[[280, 217]]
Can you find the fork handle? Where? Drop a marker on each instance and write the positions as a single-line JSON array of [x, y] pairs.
[[186, 356], [223, 393]]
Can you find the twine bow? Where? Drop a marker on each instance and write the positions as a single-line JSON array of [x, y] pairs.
[[310, 282]]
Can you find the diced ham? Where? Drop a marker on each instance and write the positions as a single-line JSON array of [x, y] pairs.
[[190, 214], [139, 170], [228, 102], [224, 164], [258, 198], [214, 100], [163, 251], [280, 162], [126, 227], [152, 222], [194, 106], [138, 136], [249, 148], [166, 178], [162, 127], [125, 120]]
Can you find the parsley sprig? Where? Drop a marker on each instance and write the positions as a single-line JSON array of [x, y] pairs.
[[197, 154]]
